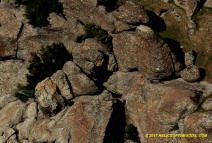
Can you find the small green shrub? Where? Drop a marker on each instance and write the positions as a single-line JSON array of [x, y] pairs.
[[101, 35], [37, 11], [131, 133], [43, 64]]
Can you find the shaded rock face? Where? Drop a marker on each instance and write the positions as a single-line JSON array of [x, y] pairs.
[[7, 47], [144, 51]]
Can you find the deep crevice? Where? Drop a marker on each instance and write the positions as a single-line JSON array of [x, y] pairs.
[[116, 127]]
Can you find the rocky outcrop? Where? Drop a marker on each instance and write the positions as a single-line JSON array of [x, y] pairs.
[[146, 107], [208, 3], [144, 51]]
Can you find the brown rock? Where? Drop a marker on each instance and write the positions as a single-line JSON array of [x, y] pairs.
[[59, 78], [11, 114], [81, 84], [207, 105], [7, 47], [121, 82], [144, 51], [129, 12], [156, 108], [208, 3], [47, 96]]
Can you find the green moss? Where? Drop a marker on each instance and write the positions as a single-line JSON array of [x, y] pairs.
[[131, 133], [93, 31], [43, 64], [172, 32], [37, 11]]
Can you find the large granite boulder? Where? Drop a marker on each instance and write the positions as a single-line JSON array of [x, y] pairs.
[[143, 51]]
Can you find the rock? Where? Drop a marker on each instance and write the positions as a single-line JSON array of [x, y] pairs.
[[81, 84], [31, 111], [121, 26], [83, 122], [87, 54], [189, 58], [208, 3], [91, 43], [79, 9], [131, 13], [207, 105], [11, 114], [4, 100], [112, 63], [56, 20], [143, 51], [8, 133], [10, 21], [198, 123], [47, 95], [12, 139], [121, 82], [7, 47], [190, 73], [59, 78], [189, 5], [102, 18], [86, 66], [158, 105]]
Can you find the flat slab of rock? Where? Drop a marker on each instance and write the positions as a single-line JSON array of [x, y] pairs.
[[80, 83]]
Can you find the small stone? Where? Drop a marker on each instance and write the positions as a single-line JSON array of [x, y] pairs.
[[190, 73], [207, 105], [189, 58]]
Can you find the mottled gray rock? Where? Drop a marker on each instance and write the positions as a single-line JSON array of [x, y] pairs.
[[80, 83], [190, 73], [189, 58], [47, 95], [207, 105], [59, 78]]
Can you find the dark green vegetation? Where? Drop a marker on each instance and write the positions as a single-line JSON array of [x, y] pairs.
[[43, 64], [93, 31], [131, 133], [37, 11]]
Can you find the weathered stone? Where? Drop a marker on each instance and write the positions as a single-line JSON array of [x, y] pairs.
[[189, 58], [86, 66], [56, 20], [112, 64], [59, 78], [12, 139], [121, 82], [207, 105], [7, 48], [129, 12], [144, 51], [47, 96], [31, 111], [11, 114], [190, 73], [198, 123], [189, 5], [81, 84], [4, 100], [8, 133], [102, 18], [208, 3], [156, 108]]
